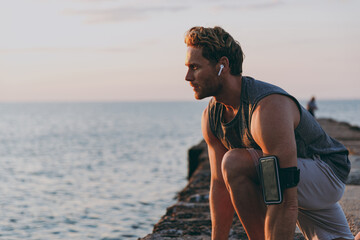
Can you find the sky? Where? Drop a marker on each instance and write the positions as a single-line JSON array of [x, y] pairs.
[[133, 50]]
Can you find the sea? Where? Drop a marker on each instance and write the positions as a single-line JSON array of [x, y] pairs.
[[100, 170]]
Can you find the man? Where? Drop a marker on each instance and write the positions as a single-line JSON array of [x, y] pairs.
[[247, 119]]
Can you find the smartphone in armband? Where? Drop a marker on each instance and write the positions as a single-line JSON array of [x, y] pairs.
[[270, 180]]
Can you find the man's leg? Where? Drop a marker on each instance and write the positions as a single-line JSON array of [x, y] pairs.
[[320, 216], [241, 179]]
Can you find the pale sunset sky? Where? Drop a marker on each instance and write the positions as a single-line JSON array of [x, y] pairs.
[[133, 50]]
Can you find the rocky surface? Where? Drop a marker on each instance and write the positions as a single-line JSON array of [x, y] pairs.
[[189, 218], [347, 134]]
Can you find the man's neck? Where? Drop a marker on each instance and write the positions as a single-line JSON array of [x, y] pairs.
[[230, 93]]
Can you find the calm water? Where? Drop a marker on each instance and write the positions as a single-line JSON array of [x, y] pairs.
[[92, 170], [99, 170]]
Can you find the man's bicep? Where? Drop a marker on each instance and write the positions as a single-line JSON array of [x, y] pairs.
[[272, 127]]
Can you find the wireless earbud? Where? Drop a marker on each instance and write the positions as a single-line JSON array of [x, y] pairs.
[[221, 68]]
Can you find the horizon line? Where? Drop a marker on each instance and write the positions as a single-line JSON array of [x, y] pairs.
[[151, 100]]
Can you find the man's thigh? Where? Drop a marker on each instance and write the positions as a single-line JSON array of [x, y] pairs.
[[319, 190], [319, 187]]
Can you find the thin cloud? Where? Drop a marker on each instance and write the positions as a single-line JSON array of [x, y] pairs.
[[121, 14], [140, 12], [96, 1], [65, 50], [248, 5]]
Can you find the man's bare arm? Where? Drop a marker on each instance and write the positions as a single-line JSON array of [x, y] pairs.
[[272, 127], [221, 208]]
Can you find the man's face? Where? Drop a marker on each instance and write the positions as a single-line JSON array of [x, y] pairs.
[[201, 74]]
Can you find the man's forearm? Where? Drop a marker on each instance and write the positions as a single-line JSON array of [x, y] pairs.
[[281, 219], [222, 211]]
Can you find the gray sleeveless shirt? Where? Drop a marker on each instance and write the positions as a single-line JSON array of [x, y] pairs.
[[311, 139]]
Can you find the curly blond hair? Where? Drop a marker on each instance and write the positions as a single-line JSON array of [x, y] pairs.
[[216, 43]]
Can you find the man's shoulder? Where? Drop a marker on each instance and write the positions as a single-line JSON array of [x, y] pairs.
[[207, 128], [275, 100], [248, 80], [254, 90], [278, 106]]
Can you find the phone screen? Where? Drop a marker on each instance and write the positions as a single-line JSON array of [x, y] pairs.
[[270, 180]]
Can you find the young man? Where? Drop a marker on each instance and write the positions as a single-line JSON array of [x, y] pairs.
[[247, 119]]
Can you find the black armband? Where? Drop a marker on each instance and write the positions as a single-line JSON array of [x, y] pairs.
[[289, 177], [275, 179]]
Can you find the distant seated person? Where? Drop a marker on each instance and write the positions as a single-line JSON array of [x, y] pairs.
[[311, 106]]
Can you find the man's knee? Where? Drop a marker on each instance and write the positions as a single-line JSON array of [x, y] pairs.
[[237, 164]]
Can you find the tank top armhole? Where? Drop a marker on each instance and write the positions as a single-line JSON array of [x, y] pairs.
[[211, 112]]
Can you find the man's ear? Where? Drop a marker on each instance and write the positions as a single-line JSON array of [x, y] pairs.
[[225, 62]]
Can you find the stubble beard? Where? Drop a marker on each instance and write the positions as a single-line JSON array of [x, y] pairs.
[[207, 92]]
